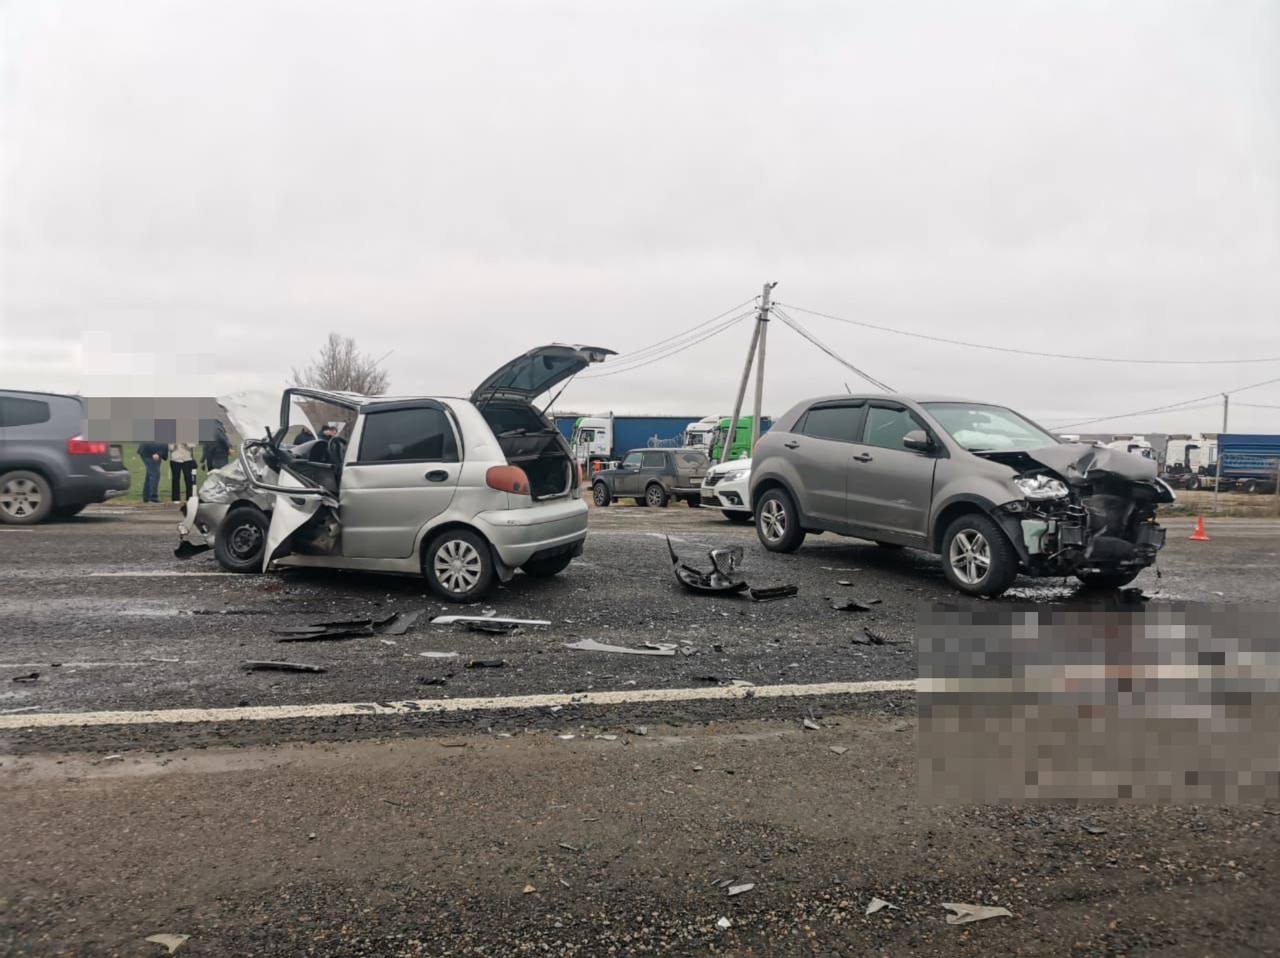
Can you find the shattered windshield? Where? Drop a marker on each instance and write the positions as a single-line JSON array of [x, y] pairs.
[[982, 428]]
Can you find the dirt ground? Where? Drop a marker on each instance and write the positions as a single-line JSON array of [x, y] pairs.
[[491, 832]]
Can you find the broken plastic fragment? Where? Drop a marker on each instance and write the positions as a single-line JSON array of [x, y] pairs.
[[740, 889], [171, 942], [839, 749], [723, 577], [724, 924], [772, 592], [876, 904], [485, 664], [282, 667], [450, 619], [591, 645], [491, 626], [850, 605], [967, 913], [400, 623]]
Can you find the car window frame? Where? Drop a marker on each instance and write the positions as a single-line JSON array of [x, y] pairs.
[[4, 419], [639, 465], [383, 409], [939, 450], [858, 404], [660, 456]]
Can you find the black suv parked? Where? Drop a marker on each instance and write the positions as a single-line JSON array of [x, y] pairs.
[[47, 467], [653, 477]]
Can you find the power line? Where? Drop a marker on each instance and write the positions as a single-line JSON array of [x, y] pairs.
[[703, 337], [1033, 352], [1171, 406], [637, 353], [790, 321], [1257, 405]]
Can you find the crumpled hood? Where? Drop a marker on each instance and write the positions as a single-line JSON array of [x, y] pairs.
[[1074, 461]]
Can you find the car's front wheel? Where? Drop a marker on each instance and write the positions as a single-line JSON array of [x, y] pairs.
[[778, 522], [458, 566], [241, 537], [1107, 580], [655, 495], [600, 494], [977, 558]]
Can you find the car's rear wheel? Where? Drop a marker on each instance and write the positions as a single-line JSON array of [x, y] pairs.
[[1108, 580], [1193, 483], [977, 558], [67, 512], [546, 568], [458, 566], [655, 495], [25, 498], [741, 518], [242, 535], [778, 522], [600, 494]]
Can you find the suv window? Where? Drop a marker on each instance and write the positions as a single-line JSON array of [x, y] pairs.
[[22, 412], [655, 460], [408, 435], [632, 461], [842, 423], [694, 458], [886, 427]]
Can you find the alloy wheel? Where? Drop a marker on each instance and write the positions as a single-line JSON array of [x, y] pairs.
[[600, 494], [773, 520], [653, 495], [970, 556], [20, 498], [457, 565]]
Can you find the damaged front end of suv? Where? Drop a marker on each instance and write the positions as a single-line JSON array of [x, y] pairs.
[[1084, 511]]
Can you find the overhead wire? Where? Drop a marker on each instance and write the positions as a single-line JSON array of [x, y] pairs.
[[1030, 352], [1170, 406], [680, 347], [802, 331], [638, 353]]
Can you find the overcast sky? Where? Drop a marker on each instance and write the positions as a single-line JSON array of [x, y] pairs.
[[195, 193]]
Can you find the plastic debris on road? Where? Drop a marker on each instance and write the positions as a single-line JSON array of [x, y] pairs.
[[170, 942], [877, 904], [742, 889], [282, 667], [964, 914], [591, 645]]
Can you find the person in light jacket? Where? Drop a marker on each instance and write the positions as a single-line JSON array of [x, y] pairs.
[[182, 466]]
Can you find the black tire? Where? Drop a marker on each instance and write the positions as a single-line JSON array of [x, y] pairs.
[[1001, 561], [1251, 486], [458, 566], [546, 568], [778, 522], [1107, 580], [600, 494], [25, 498], [241, 538], [891, 546], [738, 518], [639, 501], [656, 496], [1193, 483], [68, 512]]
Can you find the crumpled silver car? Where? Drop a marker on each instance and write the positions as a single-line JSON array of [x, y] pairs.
[[985, 488], [461, 491]]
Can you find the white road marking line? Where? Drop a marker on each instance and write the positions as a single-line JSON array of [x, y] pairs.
[[269, 713]]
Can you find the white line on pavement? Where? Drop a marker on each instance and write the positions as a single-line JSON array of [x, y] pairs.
[[269, 713]]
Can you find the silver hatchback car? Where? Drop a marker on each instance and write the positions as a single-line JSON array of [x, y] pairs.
[[461, 491], [987, 489]]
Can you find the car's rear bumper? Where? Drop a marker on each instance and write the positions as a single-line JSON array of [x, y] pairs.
[[517, 535], [96, 485]]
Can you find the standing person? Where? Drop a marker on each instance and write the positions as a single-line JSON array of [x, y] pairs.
[[217, 451], [151, 453], [182, 465]]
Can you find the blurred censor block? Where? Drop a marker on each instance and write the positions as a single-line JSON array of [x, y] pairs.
[[1167, 702]]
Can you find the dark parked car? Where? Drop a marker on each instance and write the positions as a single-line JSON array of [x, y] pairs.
[[47, 467], [653, 477], [988, 490]]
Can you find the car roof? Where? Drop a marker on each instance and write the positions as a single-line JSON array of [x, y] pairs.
[[897, 397]]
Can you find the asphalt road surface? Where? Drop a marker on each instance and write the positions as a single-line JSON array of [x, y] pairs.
[[402, 803]]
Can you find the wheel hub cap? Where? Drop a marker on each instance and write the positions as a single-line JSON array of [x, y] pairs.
[[970, 556], [457, 565], [20, 498], [773, 520]]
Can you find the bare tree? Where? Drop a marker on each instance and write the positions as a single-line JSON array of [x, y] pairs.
[[340, 366]]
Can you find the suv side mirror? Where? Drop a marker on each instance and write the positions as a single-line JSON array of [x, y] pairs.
[[918, 440]]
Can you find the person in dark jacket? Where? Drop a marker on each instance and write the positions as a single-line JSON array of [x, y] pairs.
[[152, 454], [217, 451]]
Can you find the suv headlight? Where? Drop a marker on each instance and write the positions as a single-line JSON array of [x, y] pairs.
[[1041, 487]]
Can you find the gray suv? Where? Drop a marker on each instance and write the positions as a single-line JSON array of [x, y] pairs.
[[985, 488], [47, 468], [653, 477]]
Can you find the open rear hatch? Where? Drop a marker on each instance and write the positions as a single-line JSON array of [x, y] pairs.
[[527, 438]]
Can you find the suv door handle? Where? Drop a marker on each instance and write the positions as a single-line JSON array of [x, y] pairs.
[[862, 457], [436, 475], [792, 444]]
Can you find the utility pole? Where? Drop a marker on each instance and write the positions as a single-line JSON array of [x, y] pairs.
[[1217, 476], [763, 323], [762, 317]]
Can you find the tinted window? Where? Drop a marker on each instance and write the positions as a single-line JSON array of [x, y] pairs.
[[633, 459], [694, 458], [886, 427], [406, 435], [654, 460], [22, 412], [832, 422]]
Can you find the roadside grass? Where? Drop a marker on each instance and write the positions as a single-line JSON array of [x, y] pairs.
[[137, 473], [1242, 504]]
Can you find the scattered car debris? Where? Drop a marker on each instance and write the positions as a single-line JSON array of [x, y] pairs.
[[170, 942], [565, 883], [29, 677], [811, 726], [608, 738], [567, 736], [25, 708], [850, 605], [772, 592], [724, 924], [591, 645], [570, 848], [723, 577], [740, 889], [486, 663], [640, 730], [187, 550], [282, 667], [432, 680], [967, 913], [491, 627], [529, 889], [839, 749], [877, 904], [401, 623], [450, 619], [387, 641], [844, 582], [872, 638], [439, 655], [329, 634], [1093, 829]]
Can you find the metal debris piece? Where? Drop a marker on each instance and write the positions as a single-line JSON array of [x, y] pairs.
[[566, 736], [967, 913], [485, 663], [850, 605], [569, 848], [661, 646], [491, 627], [187, 549], [877, 904], [365, 623], [724, 924], [811, 725], [282, 667], [326, 635], [770, 593], [565, 883], [29, 677], [387, 641], [450, 619], [608, 738], [740, 889], [723, 577], [439, 655], [839, 749], [402, 623], [591, 645], [170, 942]]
